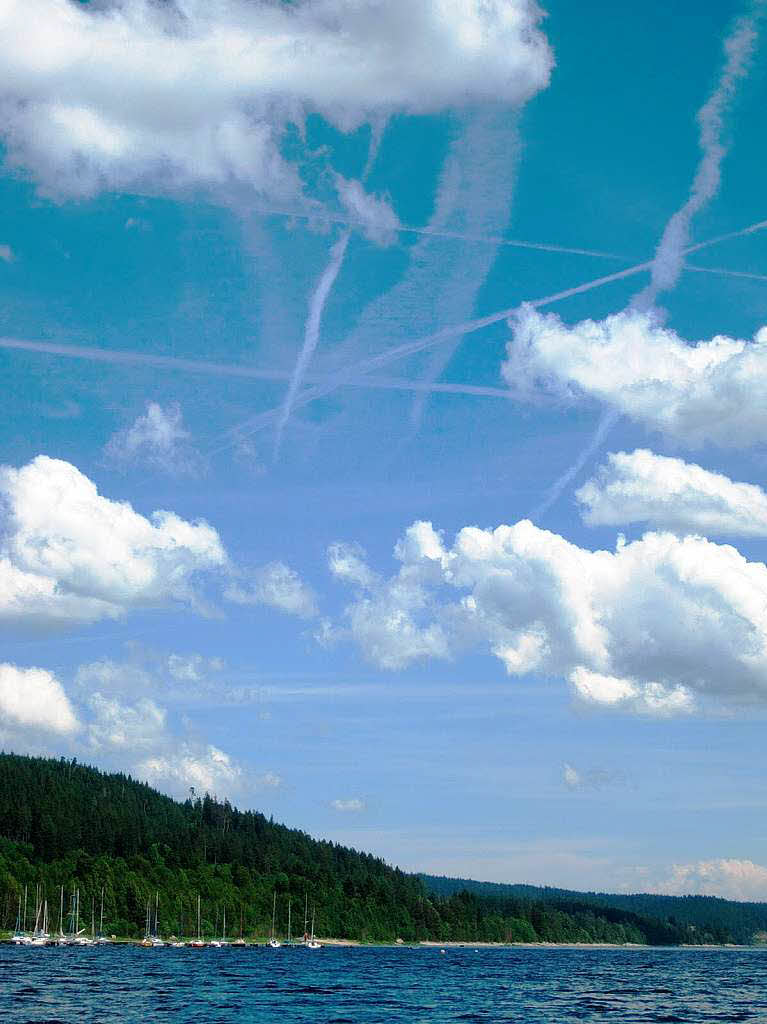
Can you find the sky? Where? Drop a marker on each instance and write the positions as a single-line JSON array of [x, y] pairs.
[[383, 435]]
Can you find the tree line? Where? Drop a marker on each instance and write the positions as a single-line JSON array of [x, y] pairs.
[[67, 824]]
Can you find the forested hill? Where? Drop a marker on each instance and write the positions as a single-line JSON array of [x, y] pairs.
[[67, 824], [722, 920]]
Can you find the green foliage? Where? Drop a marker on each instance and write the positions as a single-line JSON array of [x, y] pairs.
[[663, 920], [67, 824]]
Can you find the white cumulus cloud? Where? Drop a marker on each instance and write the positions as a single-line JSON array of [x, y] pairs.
[[207, 770], [726, 877], [651, 627], [33, 698], [712, 391], [7, 254], [642, 487], [160, 96], [68, 554]]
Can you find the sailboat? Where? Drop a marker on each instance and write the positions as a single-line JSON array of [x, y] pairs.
[[274, 942], [20, 937], [198, 942], [154, 939], [40, 936], [78, 936], [218, 943], [102, 939], [60, 939], [311, 942]]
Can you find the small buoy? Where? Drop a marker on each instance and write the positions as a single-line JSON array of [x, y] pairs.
[[442, 951]]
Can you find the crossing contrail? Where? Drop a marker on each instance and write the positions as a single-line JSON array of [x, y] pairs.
[[353, 374], [319, 299]]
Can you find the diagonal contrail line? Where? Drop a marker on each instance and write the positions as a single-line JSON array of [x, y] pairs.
[[121, 357], [351, 374]]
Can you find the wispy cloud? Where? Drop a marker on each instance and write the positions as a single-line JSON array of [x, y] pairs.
[[157, 438], [353, 805], [594, 779], [7, 254]]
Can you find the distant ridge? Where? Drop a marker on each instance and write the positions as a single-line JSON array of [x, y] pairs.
[[739, 920], [67, 824]]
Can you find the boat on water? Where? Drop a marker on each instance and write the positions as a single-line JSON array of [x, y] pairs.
[[77, 936], [152, 938], [20, 937], [40, 936], [274, 942], [311, 942], [198, 943]]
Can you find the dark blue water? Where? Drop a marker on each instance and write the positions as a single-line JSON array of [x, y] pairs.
[[365, 986]]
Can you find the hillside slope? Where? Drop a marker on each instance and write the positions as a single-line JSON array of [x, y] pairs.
[[67, 824]]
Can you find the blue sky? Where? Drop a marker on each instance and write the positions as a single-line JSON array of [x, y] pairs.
[[194, 195]]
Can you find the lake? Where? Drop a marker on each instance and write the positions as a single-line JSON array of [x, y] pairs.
[[117, 984]]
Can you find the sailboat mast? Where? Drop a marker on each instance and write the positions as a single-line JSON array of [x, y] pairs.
[[61, 911], [25, 908], [288, 922], [156, 911], [306, 914], [199, 934], [274, 911]]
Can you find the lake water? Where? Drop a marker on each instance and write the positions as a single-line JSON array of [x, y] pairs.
[[366, 985]]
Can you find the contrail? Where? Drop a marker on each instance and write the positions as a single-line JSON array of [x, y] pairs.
[[354, 376], [121, 357], [723, 272], [607, 421], [479, 177], [320, 297], [669, 257], [351, 374], [329, 218], [311, 333]]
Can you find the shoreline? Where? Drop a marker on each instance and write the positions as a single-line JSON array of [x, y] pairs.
[[259, 943]]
